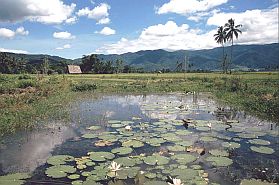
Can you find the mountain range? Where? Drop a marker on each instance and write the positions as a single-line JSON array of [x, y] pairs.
[[244, 57]]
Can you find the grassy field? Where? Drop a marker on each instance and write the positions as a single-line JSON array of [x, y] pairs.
[[26, 99]]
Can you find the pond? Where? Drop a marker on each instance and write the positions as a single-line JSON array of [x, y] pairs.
[[145, 140]]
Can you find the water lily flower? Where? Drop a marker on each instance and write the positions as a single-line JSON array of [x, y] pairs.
[[114, 166], [175, 182], [128, 128], [209, 125]]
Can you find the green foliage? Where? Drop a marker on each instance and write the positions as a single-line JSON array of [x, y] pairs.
[[84, 87], [25, 77], [26, 83]]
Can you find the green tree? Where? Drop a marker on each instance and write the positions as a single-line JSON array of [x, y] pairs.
[[88, 62], [45, 65], [119, 66], [232, 31], [11, 65], [220, 38]]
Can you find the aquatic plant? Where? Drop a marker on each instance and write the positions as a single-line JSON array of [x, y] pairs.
[[114, 167]]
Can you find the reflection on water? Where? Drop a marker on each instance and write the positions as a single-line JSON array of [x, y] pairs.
[[27, 151]]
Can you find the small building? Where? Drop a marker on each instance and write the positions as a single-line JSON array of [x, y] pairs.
[[73, 69]]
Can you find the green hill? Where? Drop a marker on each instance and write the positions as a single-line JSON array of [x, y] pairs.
[[244, 57]]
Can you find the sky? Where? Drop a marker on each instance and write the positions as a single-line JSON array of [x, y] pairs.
[[72, 28]]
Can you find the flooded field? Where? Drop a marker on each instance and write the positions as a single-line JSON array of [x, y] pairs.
[[145, 140]]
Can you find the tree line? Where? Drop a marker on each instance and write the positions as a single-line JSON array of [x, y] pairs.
[[10, 64], [93, 64]]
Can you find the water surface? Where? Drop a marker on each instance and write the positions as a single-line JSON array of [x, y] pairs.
[[151, 117]]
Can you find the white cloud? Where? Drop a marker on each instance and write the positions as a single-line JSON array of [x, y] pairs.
[[22, 31], [107, 31], [99, 13], [66, 46], [10, 34], [7, 33], [258, 26], [63, 35], [47, 12], [169, 36], [202, 15], [104, 21], [13, 51], [183, 7], [71, 20]]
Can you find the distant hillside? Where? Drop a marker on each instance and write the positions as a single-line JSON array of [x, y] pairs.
[[245, 56], [33, 63], [38, 59]]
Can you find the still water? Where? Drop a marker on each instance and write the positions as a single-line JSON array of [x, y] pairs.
[[191, 137]]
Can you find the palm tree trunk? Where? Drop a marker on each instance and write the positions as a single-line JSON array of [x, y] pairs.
[[231, 52], [223, 62]]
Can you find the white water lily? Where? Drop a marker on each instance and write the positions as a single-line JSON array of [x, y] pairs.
[[114, 166], [128, 128], [176, 182], [209, 125]]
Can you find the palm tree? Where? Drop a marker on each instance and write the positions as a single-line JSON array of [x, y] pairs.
[[220, 38], [232, 30]]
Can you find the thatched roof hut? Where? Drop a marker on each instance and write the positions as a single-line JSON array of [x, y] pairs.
[[73, 69]]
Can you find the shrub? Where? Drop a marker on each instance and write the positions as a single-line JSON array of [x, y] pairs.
[[83, 87], [25, 77], [5, 78], [26, 83]]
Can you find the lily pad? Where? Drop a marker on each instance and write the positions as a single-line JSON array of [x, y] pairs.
[[102, 143], [101, 156], [150, 175], [14, 179], [219, 153], [59, 171], [77, 182], [122, 150], [220, 161], [262, 149], [113, 121], [156, 159], [94, 127], [231, 145], [74, 176], [183, 132], [259, 142], [176, 148], [60, 159], [89, 136], [184, 158], [184, 174], [117, 125], [155, 141], [247, 135], [126, 161], [133, 143], [208, 139], [171, 137]]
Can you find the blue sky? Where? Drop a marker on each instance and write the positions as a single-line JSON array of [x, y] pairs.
[[72, 28]]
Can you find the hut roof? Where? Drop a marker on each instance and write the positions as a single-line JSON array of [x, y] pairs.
[[73, 69]]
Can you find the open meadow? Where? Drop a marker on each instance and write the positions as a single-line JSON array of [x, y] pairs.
[[29, 97]]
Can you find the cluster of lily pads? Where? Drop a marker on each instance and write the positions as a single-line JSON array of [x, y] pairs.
[[173, 155]]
